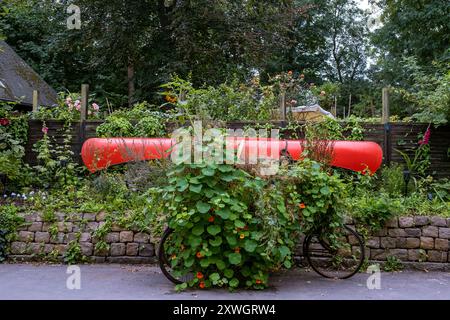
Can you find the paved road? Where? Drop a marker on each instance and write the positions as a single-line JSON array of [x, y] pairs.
[[28, 281]]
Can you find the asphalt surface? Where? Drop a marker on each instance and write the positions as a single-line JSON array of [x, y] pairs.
[[98, 282]]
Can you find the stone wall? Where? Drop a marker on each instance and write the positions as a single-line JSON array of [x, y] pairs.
[[38, 240], [419, 238]]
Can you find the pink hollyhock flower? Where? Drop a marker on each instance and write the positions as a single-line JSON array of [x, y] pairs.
[[68, 100], [78, 105], [4, 122], [426, 137], [95, 106], [45, 130], [293, 101]]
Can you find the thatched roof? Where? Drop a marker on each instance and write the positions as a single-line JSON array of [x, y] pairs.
[[18, 80]]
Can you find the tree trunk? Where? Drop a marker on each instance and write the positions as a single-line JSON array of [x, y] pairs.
[[372, 108], [349, 105], [131, 87]]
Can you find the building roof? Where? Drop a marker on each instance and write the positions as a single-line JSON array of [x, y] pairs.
[[310, 113], [18, 80]]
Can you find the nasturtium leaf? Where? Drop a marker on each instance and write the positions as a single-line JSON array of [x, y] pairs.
[[223, 213], [287, 264], [182, 185], [203, 207], [204, 263], [209, 172], [239, 224], [197, 230], [231, 240], [194, 180], [217, 241], [225, 168], [284, 251], [234, 283], [209, 193], [235, 258], [211, 182], [214, 277], [195, 188], [213, 229], [194, 241], [228, 273], [325, 190], [189, 262], [250, 245], [227, 177], [220, 264]]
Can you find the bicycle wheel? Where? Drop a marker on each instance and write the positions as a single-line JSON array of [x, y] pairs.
[[340, 261], [166, 254]]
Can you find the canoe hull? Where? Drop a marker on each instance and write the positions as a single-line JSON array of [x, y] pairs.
[[101, 153]]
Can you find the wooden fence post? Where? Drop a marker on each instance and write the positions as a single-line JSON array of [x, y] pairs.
[[83, 114], [334, 107], [349, 104], [35, 101], [385, 112], [84, 102], [387, 126], [283, 105]]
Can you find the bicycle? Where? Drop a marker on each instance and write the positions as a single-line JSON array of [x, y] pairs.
[[340, 260]]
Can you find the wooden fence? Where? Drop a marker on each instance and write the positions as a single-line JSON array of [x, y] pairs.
[[390, 136]]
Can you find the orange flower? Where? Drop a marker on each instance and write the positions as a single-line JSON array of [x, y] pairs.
[[199, 275], [174, 256], [290, 72], [202, 285], [302, 206], [237, 250], [171, 99], [199, 255], [258, 281], [302, 76], [211, 219], [242, 236]]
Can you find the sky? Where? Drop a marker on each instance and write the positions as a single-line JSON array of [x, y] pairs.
[[364, 4]]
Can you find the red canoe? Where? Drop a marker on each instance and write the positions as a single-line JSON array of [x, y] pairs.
[[100, 153]]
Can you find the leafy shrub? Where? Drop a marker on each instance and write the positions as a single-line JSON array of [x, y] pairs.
[[226, 102], [68, 109], [231, 228], [9, 222], [149, 123], [13, 136], [115, 127], [56, 167], [108, 185], [149, 126], [391, 179], [393, 264], [374, 210]]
